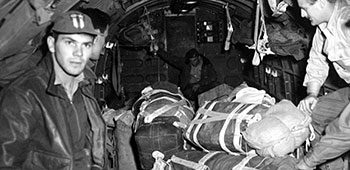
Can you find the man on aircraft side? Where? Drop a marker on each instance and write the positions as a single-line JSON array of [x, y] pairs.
[[330, 114]]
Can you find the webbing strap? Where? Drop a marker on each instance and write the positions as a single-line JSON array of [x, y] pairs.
[[241, 165], [147, 103], [196, 130], [143, 106], [160, 111], [213, 116], [148, 91], [237, 139], [206, 157], [224, 127], [218, 116], [155, 91], [115, 118], [189, 164], [191, 125], [248, 168]]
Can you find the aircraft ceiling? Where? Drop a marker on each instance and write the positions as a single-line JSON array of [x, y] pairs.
[[23, 22]]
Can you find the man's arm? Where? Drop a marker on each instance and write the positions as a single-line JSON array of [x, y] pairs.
[[334, 143], [172, 60], [15, 121], [317, 67], [316, 73]]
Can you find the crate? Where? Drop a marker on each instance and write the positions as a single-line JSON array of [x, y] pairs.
[[216, 93]]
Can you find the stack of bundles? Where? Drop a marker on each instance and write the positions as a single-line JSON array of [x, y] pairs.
[[162, 114], [198, 160], [218, 125], [252, 121], [283, 128]]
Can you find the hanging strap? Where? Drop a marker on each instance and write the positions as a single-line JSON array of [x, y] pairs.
[[260, 45], [229, 28], [256, 57], [115, 70]]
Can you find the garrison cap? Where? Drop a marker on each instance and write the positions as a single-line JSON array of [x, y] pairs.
[[74, 22]]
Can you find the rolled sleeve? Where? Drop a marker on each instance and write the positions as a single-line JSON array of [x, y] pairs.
[[317, 67]]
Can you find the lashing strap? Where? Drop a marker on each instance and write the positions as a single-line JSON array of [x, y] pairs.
[[214, 116], [189, 164], [194, 165], [201, 163], [243, 163], [206, 157], [239, 113], [165, 108], [147, 103], [237, 140], [196, 130], [223, 130]]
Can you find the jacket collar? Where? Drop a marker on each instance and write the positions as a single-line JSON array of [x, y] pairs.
[[331, 25], [52, 88]]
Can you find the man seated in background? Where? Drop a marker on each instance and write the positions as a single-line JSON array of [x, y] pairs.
[[197, 73]]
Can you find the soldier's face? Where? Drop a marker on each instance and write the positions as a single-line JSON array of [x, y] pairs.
[[71, 51]]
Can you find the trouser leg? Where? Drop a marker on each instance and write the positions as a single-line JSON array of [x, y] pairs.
[[328, 108]]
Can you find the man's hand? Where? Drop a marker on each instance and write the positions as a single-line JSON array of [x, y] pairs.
[[308, 104]]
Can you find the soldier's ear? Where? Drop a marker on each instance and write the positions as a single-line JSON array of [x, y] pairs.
[[51, 43]]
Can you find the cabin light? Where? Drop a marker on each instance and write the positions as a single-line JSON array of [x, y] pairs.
[[182, 6], [191, 2]]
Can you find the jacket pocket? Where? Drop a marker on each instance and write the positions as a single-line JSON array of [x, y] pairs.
[[46, 161]]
